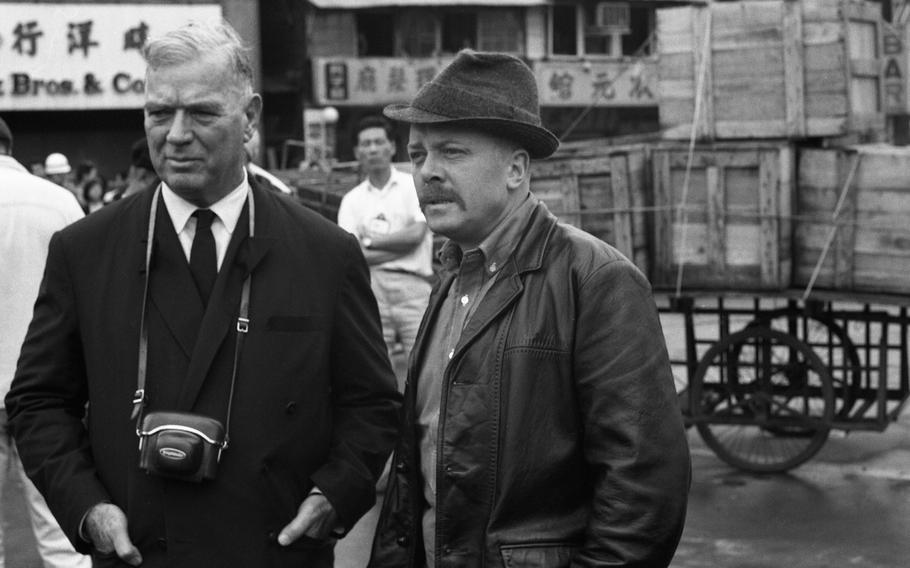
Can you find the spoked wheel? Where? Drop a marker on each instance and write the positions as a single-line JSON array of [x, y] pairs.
[[764, 400], [830, 342]]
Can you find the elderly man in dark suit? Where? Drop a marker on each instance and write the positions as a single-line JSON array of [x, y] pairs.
[[204, 301]]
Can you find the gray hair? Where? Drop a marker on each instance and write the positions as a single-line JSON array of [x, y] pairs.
[[197, 39]]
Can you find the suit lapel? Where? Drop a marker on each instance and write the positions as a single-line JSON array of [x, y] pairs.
[[171, 288], [241, 259]]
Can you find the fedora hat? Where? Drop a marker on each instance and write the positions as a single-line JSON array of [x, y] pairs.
[[492, 92]]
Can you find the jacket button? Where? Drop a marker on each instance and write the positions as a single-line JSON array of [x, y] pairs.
[[403, 540], [291, 407], [162, 543], [400, 467]]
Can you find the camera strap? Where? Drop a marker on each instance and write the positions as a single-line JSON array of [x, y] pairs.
[[140, 399]]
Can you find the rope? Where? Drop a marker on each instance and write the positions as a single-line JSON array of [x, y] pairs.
[[833, 232], [699, 96]]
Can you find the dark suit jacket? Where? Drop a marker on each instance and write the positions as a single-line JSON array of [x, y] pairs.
[[315, 403]]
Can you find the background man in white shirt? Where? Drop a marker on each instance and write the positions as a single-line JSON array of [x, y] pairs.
[[384, 214]]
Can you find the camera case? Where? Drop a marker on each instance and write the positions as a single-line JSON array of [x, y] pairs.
[[180, 445]]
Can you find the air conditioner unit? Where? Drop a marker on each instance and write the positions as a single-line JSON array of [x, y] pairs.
[[613, 17]]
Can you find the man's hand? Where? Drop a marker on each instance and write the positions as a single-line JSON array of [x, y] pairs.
[[316, 518], [106, 527]]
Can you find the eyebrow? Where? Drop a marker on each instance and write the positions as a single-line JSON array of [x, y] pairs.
[[206, 106]]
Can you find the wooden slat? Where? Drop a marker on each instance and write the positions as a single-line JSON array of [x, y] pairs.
[[702, 59], [622, 220], [769, 247], [794, 70], [716, 237], [663, 218]]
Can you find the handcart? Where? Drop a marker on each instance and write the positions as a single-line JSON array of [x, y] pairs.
[[770, 376]]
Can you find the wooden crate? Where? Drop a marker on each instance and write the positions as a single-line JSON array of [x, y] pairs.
[[602, 190], [869, 241], [773, 69], [731, 229]]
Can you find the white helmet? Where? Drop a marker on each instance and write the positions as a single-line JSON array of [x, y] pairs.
[[56, 163]]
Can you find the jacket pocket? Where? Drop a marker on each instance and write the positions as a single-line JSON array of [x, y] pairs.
[[537, 555]]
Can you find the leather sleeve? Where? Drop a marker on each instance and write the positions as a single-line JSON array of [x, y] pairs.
[[46, 403], [365, 397], [634, 437]]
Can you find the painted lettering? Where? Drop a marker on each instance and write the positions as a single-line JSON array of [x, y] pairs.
[[26, 85], [91, 85], [124, 83]]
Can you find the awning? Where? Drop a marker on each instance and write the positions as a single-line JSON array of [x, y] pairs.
[[354, 4]]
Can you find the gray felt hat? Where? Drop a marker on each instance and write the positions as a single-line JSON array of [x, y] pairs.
[[492, 92]]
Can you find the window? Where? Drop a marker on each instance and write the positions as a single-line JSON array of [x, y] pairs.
[[564, 26], [418, 31], [500, 30], [459, 30], [611, 29], [375, 34]]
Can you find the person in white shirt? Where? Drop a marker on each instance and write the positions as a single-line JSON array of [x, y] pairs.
[[385, 216], [31, 210]]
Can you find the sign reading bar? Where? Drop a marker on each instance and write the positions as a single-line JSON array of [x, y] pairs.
[[894, 74], [82, 56], [601, 83]]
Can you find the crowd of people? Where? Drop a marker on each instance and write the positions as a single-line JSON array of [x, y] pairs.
[[91, 189], [214, 387]]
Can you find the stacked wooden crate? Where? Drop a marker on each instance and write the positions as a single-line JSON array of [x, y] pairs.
[[852, 210], [771, 69], [749, 83], [729, 224], [602, 189]]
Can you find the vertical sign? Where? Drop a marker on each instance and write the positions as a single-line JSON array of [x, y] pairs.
[[895, 71]]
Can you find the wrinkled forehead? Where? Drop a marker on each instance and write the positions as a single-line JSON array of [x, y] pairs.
[[456, 132], [214, 67]]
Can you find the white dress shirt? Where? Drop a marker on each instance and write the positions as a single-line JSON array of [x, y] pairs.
[[227, 212]]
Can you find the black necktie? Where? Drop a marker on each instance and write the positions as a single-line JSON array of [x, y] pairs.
[[203, 260]]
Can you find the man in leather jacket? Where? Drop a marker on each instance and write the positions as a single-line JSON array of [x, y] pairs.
[[541, 426]]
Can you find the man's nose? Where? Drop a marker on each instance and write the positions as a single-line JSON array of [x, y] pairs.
[[429, 169], [181, 128]]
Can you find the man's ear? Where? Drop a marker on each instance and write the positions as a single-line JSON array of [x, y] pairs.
[[519, 168], [253, 112]]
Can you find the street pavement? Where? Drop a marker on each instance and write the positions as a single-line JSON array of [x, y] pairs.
[[849, 506]]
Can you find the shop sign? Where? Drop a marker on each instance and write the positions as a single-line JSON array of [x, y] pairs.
[[597, 83], [82, 56], [894, 73], [370, 81]]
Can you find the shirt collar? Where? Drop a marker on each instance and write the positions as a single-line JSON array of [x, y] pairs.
[[393, 180], [499, 244], [228, 208]]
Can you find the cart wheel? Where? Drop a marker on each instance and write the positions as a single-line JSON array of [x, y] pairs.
[[831, 343], [764, 400]]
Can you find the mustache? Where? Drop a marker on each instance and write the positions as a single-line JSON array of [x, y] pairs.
[[435, 192]]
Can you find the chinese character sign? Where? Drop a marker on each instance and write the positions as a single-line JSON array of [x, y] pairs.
[[82, 56], [601, 83], [371, 81]]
